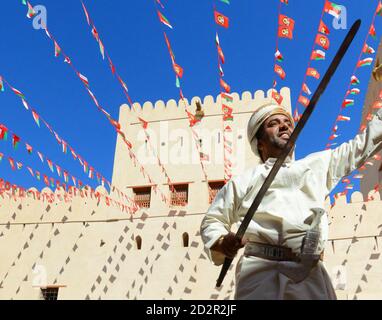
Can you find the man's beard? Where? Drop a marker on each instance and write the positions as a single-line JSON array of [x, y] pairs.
[[278, 142]]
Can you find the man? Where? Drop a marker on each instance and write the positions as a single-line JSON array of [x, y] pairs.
[[286, 237]]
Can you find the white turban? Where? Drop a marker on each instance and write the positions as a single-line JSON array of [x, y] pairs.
[[258, 118]]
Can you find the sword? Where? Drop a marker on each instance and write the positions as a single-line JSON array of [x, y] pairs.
[[288, 147]]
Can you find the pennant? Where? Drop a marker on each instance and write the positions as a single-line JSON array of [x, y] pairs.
[[306, 89], [343, 118], [203, 156], [358, 176], [317, 55], [178, 70], [279, 71], [101, 49], [296, 116], [29, 148], [286, 22], [221, 19], [285, 32], [323, 41], [347, 103], [18, 93], [25, 104], [37, 175], [111, 65], [83, 79], [74, 180], [58, 169], [226, 97], [36, 117], [377, 157], [354, 80], [164, 20], [30, 171], [279, 56], [378, 11], [86, 13], [95, 33], [312, 72], [192, 119], [303, 100], [221, 72], [1, 156], [364, 62], [372, 31], [225, 86], [15, 141], [333, 136], [31, 13], [67, 60], [335, 128], [12, 163], [353, 91], [221, 54], [46, 180], [158, 1], [40, 156], [122, 83], [19, 165], [284, 1], [225, 1], [278, 98], [65, 174], [332, 9], [1, 84], [50, 164], [57, 49], [177, 82], [144, 123], [64, 146], [323, 28], [3, 132], [73, 153], [368, 49]]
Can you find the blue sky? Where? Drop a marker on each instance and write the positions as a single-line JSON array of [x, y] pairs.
[[133, 37]]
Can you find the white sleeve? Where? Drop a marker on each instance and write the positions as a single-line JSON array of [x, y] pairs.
[[218, 220], [351, 155]]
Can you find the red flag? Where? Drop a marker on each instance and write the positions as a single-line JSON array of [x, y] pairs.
[[225, 86], [285, 32], [144, 123], [286, 22], [323, 41], [221, 19], [277, 97], [12, 163], [303, 100], [323, 28], [220, 53], [312, 73], [279, 71], [178, 70]]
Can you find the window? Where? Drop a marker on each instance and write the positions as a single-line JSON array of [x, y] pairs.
[[138, 242], [215, 186], [142, 196], [185, 239], [179, 194], [50, 292]]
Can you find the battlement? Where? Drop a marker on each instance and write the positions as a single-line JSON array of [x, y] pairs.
[[246, 102]]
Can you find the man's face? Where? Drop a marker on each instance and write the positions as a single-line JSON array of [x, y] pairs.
[[276, 131]]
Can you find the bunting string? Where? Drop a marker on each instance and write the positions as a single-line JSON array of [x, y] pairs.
[[88, 169], [84, 80]]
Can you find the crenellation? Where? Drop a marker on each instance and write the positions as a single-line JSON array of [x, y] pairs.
[[246, 96], [356, 196]]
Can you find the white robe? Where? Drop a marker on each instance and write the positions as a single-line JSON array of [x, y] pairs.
[[285, 214]]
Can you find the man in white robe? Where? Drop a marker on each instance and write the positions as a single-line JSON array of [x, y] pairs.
[[290, 224]]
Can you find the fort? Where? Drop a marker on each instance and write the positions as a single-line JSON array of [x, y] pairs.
[[86, 247]]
